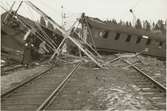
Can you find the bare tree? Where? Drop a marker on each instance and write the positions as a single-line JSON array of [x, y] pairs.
[[147, 25], [138, 24]]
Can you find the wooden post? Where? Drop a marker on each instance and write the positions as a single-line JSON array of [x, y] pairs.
[[18, 7], [27, 34], [57, 50]]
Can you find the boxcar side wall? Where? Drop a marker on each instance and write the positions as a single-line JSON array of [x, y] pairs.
[[110, 40]]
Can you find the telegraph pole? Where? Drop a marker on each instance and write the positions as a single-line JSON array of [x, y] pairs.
[[62, 15], [134, 17]]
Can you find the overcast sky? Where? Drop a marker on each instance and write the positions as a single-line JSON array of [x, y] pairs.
[[151, 10]]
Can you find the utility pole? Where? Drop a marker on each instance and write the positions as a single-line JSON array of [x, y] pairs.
[[62, 15], [166, 26], [134, 17]]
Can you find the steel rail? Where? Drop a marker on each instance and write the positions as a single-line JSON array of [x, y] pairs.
[[139, 70], [8, 65], [51, 96], [143, 73], [14, 67], [156, 83], [24, 83]]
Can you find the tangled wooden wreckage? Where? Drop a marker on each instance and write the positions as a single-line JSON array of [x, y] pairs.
[[46, 44], [35, 34], [94, 35]]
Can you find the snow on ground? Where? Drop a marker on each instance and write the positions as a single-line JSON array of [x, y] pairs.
[[121, 98]]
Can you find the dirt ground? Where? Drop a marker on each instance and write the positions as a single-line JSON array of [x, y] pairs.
[[91, 88], [151, 66], [13, 78], [98, 89]]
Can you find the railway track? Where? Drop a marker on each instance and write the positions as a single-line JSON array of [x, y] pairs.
[[3, 66], [15, 66], [41, 91], [36, 93], [148, 87], [12, 67]]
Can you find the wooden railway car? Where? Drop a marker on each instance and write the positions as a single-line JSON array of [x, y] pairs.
[[114, 37], [12, 36]]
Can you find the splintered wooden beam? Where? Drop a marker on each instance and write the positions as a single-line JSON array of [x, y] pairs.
[[65, 34], [57, 50], [18, 7], [27, 34], [86, 52], [90, 47]]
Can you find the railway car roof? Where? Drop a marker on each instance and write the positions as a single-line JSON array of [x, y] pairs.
[[96, 23]]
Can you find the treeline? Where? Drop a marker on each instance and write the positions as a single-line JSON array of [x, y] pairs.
[[160, 25]]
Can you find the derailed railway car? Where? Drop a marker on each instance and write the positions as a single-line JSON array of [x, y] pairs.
[[116, 38], [13, 33]]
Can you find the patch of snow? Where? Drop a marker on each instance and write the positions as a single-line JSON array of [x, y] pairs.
[[119, 99]]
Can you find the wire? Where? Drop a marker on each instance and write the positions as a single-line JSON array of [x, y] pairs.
[[50, 7], [70, 17], [3, 8], [4, 5], [7, 4], [44, 5], [136, 4], [32, 13]]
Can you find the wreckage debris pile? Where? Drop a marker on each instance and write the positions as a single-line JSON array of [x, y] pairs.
[[106, 84]]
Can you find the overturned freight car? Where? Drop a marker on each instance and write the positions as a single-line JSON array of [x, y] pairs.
[[117, 38]]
